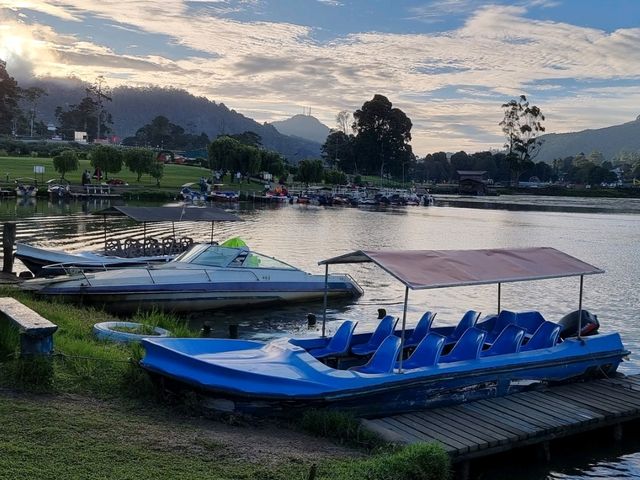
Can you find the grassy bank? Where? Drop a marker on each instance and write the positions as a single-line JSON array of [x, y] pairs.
[[174, 177], [92, 412]]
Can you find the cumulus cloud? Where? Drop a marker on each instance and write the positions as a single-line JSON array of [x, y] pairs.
[[451, 84]]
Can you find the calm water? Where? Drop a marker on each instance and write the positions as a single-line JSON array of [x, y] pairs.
[[604, 232]]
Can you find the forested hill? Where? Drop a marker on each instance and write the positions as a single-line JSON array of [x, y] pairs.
[[132, 108], [610, 141]]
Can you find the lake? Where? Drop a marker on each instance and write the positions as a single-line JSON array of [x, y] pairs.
[[603, 232]]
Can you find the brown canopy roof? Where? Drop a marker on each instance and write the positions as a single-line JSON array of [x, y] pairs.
[[421, 269]]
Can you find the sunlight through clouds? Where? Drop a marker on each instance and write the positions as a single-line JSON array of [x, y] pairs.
[[451, 82]]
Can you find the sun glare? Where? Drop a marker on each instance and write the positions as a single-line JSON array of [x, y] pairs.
[[11, 45]]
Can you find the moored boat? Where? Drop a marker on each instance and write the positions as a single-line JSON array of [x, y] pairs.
[[399, 370], [128, 252], [206, 277]]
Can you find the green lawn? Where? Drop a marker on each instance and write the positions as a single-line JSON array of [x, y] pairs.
[[174, 175]]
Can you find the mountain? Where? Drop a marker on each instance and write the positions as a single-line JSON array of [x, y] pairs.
[[132, 108], [609, 141], [303, 126]]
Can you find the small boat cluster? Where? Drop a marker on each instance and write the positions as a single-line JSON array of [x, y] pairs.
[[362, 197]]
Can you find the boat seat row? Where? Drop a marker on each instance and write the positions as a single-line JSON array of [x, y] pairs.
[[470, 346]]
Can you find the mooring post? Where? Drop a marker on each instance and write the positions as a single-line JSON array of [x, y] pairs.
[[617, 432], [544, 451], [8, 241], [233, 331]]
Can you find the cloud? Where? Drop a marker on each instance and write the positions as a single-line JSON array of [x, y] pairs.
[[451, 83]]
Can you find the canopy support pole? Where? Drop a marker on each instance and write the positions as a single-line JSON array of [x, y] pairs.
[[173, 229], [212, 233], [499, 292], [580, 307], [104, 224], [326, 294], [404, 326], [144, 238]]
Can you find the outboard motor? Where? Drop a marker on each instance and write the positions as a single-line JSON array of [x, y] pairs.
[[569, 324]]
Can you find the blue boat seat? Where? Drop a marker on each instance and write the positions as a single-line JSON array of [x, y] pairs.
[[496, 325], [427, 353], [384, 358], [468, 347], [467, 321], [530, 320], [421, 329], [340, 342], [385, 328], [509, 341], [545, 336]]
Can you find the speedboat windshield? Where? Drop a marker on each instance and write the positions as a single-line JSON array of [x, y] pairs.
[[221, 256]]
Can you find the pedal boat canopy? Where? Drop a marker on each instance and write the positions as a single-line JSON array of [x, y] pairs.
[[425, 269]]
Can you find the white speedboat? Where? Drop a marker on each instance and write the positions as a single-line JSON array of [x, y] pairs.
[[206, 277], [128, 252]]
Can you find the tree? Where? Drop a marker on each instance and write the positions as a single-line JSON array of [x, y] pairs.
[[248, 138], [82, 118], [382, 137], [161, 133], [335, 177], [224, 153], [272, 162], [337, 151], [67, 161], [9, 96], [106, 158], [343, 121], [101, 92], [521, 125], [310, 171], [139, 160], [32, 95], [157, 171]]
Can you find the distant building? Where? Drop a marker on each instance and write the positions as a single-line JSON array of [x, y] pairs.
[[80, 137], [472, 182]]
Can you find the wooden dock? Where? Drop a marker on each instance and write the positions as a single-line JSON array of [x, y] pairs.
[[485, 427]]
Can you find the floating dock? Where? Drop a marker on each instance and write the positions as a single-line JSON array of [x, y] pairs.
[[472, 430]]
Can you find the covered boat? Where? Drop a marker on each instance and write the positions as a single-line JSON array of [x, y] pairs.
[[206, 277], [398, 370], [123, 253]]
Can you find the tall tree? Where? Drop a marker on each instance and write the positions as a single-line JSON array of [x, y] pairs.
[[9, 95], [310, 171], [343, 121], [382, 137], [161, 133], [82, 118], [251, 139], [32, 95], [522, 123], [101, 92]]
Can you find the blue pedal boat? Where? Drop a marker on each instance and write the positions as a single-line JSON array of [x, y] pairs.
[[408, 369]]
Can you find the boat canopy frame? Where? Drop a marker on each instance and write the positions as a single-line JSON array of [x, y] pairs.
[[427, 269], [167, 214]]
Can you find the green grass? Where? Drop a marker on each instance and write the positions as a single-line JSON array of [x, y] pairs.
[[74, 438], [95, 416], [82, 364], [174, 175]]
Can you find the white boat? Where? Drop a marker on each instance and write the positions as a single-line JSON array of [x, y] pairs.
[[26, 187], [206, 277], [129, 252]]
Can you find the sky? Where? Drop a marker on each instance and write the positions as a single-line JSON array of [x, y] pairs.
[[448, 64]]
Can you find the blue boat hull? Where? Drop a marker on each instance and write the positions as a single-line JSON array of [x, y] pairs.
[[280, 378]]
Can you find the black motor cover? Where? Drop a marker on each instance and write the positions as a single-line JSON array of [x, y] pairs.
[[569, 323]]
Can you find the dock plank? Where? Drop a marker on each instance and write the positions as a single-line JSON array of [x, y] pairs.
[[483, 427]]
